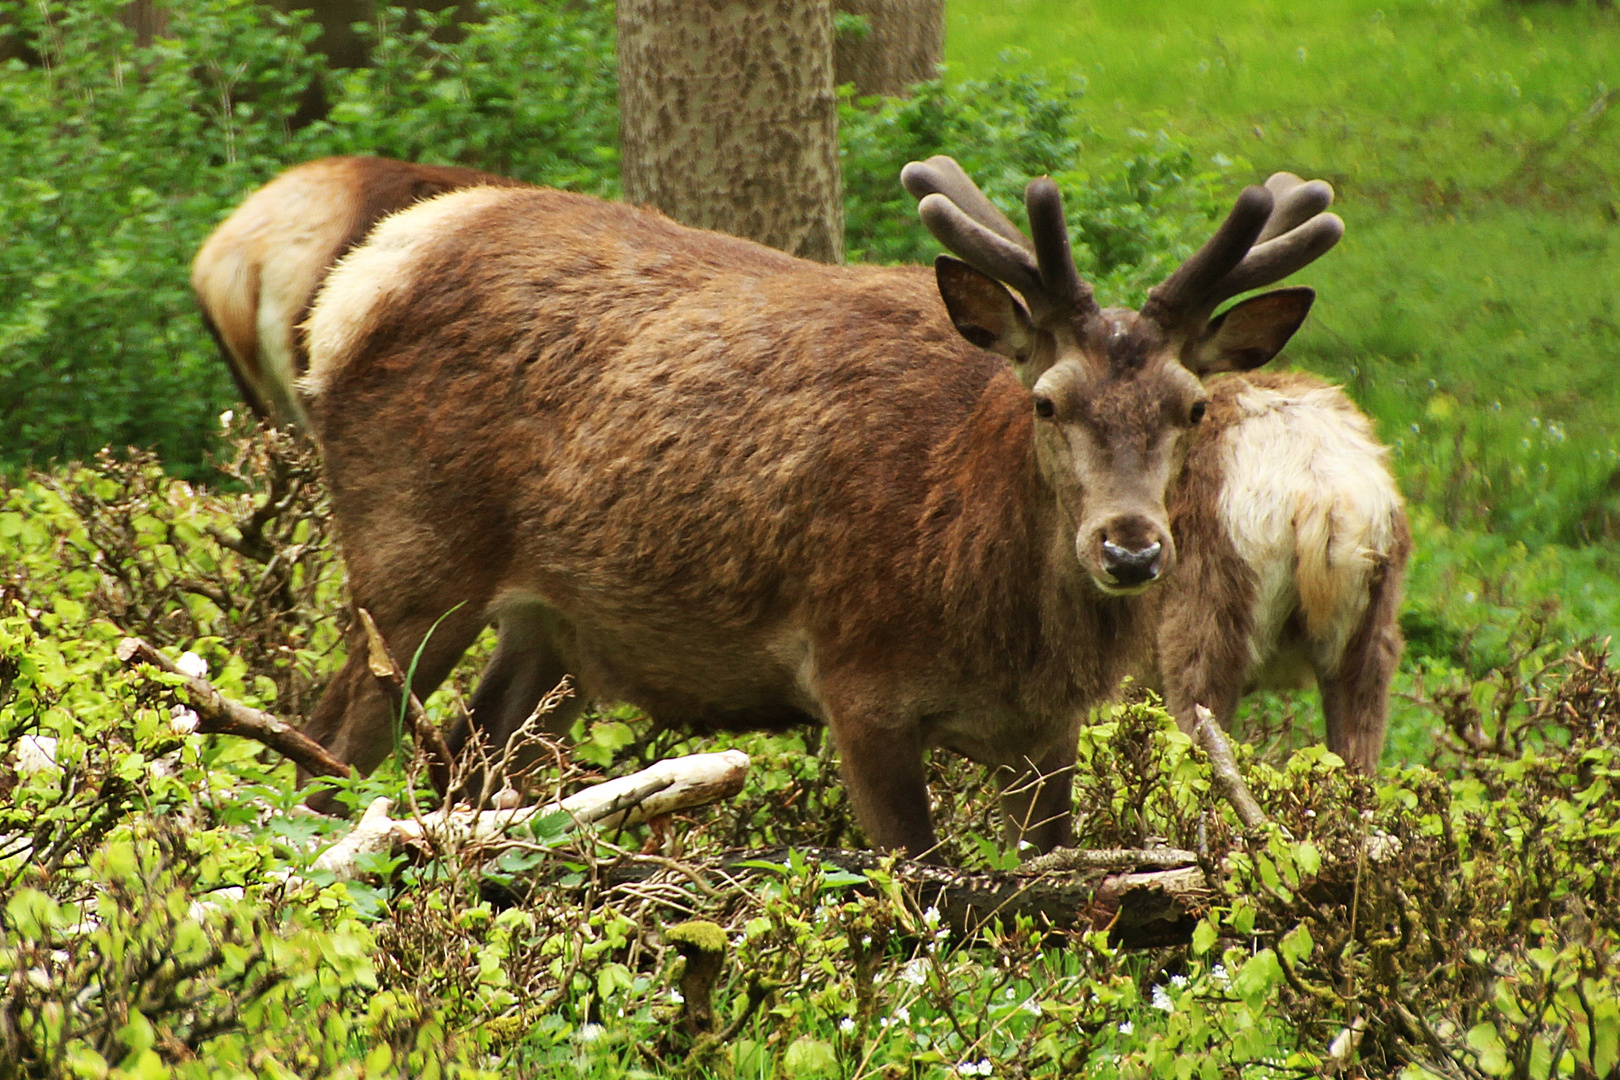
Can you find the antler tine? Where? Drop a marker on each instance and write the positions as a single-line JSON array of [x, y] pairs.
[[1297, 201], [982, 248], [1174, 300], [941, 175], [1056, 260], [1276, 259]]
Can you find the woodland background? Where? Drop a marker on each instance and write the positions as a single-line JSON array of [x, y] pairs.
[[1473, 310]]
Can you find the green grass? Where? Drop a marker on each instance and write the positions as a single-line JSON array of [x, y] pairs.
[[1474, 306]]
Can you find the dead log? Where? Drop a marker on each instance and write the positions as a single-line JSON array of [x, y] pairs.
[[1129, 893]]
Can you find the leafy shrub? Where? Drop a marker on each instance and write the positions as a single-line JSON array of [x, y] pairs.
[[159, 915], [117, 160]]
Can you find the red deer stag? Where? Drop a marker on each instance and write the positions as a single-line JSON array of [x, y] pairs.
[[739, 489], [257, 273], [1290, 535]]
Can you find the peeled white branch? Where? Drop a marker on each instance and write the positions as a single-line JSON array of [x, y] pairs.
[[664, 787]]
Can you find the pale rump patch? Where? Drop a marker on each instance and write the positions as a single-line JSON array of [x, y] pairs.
[[255, 271], [1310, 554], [380, 268]]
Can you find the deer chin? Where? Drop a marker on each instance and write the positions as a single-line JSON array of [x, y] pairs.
[[1109, 587]]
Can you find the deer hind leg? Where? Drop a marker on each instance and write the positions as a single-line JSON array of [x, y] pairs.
[[1037, 804], [1355, 689], [525, 668], [356, 716]]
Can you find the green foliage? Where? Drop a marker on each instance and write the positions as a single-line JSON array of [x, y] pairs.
[[114, 163], [117, 160], [159, 914], [530, 90]]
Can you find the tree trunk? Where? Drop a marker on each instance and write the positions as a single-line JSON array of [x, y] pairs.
[[902, 45], [728, 119]]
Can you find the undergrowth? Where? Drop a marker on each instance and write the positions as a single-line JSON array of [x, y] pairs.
[[161, 914]]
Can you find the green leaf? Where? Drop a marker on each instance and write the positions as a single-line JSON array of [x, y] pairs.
[[1484, 1041], [1296, 945], [1204, 937], [809, 1057]]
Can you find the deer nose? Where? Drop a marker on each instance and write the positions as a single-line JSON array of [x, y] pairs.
[[1130, 567]]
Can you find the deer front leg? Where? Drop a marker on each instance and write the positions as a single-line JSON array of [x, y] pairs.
[[882, 766], [1205, 651], [1037, 808]]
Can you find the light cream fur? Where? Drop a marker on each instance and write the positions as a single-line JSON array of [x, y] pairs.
[[376, 270], [262, 263], [1308, 553]]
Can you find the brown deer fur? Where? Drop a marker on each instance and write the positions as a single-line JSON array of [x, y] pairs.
[[256, 274], [1293, 545], [741, 489]]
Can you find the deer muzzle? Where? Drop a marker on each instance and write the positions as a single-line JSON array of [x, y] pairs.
[[1128, 554]]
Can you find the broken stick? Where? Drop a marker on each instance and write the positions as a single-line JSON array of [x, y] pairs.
[[1223, 768], [219, 715]]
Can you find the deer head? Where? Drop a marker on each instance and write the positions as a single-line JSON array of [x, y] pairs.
[[1116, 392]]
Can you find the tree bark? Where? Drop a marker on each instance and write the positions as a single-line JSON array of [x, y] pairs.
[[728, 119], [903, 45]]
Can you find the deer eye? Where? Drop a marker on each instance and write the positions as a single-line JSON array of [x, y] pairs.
[[1043, 407], [1197, 413]]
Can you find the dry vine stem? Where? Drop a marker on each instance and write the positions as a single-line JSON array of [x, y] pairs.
[[380, 659]]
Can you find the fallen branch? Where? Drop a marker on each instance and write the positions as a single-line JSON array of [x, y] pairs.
[[219, 715], [662, 788], [1140, 908]]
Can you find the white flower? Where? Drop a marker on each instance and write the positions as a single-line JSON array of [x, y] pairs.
[[226, 417], [915, 972], [183, 721], [1178, 981], [847, 1024], [902, 1014], [676, 996], [1032, 1007], [1218, 975], [192, 664], [982, 1067], [1161, 1000], [931, 918], [588, 1033], [1126, 1028]]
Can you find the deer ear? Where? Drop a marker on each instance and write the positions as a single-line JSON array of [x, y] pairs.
[[983, 310], [1247, 335]]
